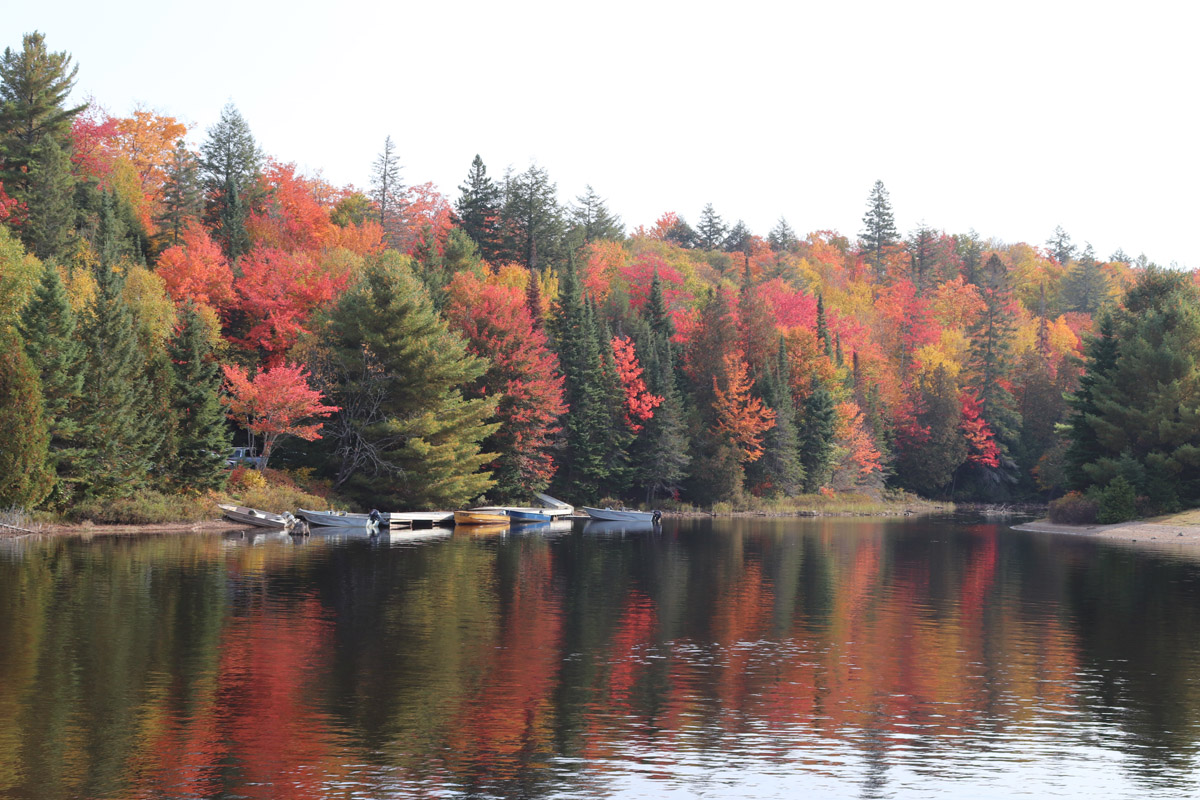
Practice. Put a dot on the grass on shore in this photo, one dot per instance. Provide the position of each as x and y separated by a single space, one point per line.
273 490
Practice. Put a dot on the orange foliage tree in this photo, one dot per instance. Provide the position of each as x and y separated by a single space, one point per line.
740 416
197 270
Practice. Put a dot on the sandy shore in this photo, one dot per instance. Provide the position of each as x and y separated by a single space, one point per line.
1177 533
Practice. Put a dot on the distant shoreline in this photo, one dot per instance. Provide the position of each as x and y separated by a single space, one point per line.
1165 533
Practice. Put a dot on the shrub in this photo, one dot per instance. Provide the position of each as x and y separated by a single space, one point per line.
1118 501
1073 508
722 508
145 508
243 478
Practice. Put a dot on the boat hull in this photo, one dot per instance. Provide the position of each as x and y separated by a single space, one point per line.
259 519
619 515
480 518
334 519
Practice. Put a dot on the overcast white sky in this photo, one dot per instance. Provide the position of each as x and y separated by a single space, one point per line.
1007 118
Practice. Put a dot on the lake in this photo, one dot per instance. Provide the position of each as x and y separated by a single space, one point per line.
945 657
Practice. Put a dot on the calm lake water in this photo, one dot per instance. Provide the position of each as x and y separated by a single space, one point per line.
734 658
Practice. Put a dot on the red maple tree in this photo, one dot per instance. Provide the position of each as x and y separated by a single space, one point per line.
639 401
275 402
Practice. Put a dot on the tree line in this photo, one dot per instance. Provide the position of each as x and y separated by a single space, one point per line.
416 351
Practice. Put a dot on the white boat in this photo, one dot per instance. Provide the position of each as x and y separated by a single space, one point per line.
622 515
424 517
339 519
260 519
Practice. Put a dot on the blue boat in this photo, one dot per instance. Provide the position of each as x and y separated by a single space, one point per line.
521 515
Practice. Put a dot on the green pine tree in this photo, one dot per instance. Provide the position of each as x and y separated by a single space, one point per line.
182 197
50 229
478 210
229 166
202 438
591 219
119 437
406 437
48 328
990 355
779 468
34 85
818 427
879 231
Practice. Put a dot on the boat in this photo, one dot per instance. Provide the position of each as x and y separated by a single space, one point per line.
622 515
599 527
339 519
260 519
518 513
421 517
479 516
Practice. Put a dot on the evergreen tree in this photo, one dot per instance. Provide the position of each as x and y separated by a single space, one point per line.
203 438
478 210
229 163
779 470
405 436
818 428
387 192
1084 446
711 230
34 85
50 226
532 220
738 240
591 219
1145 424
969 248
118 436
1085 286
991 344
48 329
25 477
182 199
879 231
782 238
594 444
681 234
823 327
1060 246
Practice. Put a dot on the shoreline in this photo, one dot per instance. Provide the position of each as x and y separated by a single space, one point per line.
1172 534
86 530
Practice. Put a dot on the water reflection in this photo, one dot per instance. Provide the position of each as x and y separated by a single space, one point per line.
764 657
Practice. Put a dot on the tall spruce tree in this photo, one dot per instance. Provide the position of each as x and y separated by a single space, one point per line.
1060 246
50 226
591 219
202 438
182 198
230 162
405 437
48 329
1085 286
478 210
119 437
34 85
990 355
593 447
779 471
1084 447
387 191
782 237
818 428
531 219
711 230
879 228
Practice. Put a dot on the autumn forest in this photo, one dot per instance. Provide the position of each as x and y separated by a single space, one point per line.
413 346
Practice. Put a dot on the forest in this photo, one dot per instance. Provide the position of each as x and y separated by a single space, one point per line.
407 348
